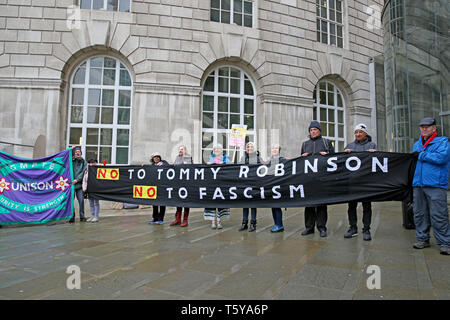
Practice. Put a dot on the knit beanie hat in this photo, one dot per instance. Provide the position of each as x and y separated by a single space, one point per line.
315 124
361 127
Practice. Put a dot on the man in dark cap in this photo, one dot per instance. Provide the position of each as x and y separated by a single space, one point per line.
430 185
313 146
79 166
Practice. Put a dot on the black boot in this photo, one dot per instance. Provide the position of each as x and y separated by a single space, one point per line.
244 225
252 226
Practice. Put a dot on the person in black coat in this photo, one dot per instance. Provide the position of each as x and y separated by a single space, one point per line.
250 157
158 211
316 144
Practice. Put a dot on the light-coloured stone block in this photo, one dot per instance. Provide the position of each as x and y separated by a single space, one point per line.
27 60
14 23
61 52
16 47
55 13
26 72
31 12
53 37
54 63
40 48
4 60
29 36
130 45
121 34
98 32
42 24
181 12
43 3
47 73
137 56
70 42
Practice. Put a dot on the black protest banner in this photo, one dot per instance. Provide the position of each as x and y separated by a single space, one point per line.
299 182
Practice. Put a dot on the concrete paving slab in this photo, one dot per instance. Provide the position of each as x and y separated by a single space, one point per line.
124 257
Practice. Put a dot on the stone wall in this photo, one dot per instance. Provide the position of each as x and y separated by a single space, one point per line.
170 46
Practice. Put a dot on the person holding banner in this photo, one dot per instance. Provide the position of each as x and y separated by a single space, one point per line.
182 158
275 159
79 166
363 142
158 211
250 157
316 144
216 216
430 185
94 204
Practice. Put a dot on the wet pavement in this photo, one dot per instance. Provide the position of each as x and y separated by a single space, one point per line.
124 257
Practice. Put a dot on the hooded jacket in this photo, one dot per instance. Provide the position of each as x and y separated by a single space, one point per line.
364 145
432 169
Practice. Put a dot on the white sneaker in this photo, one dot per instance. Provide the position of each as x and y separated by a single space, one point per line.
95 219
219 226
90 219
213 225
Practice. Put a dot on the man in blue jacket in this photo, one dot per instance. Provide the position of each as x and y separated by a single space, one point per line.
430 185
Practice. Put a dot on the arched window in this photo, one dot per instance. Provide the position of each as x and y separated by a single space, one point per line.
329 111
228 98
100 110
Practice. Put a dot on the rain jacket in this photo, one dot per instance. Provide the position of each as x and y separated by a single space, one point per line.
432 169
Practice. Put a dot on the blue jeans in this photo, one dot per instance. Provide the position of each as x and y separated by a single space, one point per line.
245 214
95 207
277 217
79 194
430 210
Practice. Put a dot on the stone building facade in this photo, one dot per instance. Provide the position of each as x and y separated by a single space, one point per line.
126 84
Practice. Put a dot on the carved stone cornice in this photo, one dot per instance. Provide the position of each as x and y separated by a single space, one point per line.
27 83
166 89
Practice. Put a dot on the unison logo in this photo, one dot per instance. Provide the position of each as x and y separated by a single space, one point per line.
33 186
